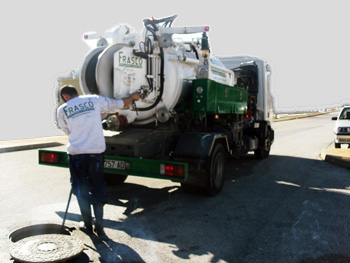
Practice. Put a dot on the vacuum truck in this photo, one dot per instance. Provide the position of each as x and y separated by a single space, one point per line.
196 110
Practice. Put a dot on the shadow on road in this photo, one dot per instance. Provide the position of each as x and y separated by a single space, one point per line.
282 209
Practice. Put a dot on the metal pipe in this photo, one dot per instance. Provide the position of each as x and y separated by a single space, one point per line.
65 213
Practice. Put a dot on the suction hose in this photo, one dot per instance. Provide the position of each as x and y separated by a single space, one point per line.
151 27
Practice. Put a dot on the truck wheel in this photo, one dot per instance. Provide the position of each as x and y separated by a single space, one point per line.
216 175
115 179
337 145
263 150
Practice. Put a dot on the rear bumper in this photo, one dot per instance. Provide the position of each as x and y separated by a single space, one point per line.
342 138
135 166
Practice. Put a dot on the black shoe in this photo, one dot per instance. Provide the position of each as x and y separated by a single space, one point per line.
86 229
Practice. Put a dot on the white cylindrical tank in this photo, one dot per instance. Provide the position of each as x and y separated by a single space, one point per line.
152 63
116 72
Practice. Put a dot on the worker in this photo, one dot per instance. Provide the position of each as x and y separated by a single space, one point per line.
80 119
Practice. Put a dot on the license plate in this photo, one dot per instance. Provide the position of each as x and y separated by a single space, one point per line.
114 164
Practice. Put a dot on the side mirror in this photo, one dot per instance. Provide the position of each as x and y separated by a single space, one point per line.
334 118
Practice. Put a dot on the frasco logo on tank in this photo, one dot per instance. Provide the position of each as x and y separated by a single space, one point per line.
129 61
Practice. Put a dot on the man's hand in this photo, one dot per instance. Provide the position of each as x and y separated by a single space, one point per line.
134 96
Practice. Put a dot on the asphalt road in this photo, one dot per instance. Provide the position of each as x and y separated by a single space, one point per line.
291 207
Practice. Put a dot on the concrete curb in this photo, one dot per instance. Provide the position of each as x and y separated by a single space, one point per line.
339 157
301 116
339 161
29 147
30 144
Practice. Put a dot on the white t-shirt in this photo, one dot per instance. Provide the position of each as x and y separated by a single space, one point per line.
80 119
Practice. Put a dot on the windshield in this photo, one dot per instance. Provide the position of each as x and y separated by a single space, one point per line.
216 62
345 114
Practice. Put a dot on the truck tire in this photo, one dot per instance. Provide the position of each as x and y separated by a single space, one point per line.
115 179
263 150
216 170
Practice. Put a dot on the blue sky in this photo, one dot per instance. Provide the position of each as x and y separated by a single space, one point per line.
306 43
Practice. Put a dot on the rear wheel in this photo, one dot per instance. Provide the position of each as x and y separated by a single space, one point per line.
216 175
264 148
263 151
115 179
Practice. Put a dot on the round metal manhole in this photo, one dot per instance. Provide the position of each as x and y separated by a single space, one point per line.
46 248
34 230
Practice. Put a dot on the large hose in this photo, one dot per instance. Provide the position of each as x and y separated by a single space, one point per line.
150 25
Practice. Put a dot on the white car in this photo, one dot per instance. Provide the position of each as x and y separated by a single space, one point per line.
342 128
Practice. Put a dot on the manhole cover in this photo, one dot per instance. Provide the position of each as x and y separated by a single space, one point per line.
46 248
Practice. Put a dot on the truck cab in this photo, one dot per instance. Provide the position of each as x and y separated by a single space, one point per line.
253 74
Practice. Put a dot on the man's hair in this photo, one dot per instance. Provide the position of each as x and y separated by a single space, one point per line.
69 90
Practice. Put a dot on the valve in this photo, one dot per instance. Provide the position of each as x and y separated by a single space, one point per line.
115 122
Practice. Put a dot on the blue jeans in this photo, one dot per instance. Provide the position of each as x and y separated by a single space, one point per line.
88 184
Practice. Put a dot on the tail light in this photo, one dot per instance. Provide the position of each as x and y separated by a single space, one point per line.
172 170
49 157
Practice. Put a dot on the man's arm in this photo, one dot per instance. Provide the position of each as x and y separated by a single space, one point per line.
108 104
